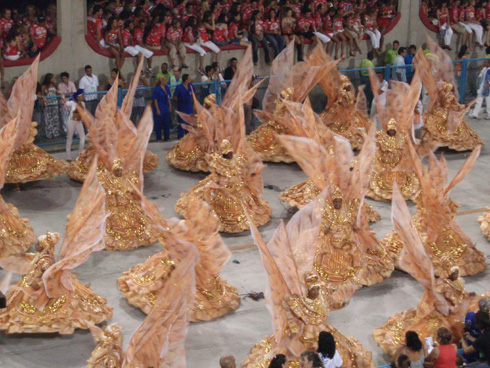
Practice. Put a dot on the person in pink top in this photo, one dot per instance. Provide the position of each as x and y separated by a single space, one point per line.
176 44
444 355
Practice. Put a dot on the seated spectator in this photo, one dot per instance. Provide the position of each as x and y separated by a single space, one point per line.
220 33
39 35
386 14
132 47
190 38
6 23
155 39
175 43
329 355
112 79
372 31
288 25
279 361
304 30
95 24
470 328
310 359
203 26
444 355
256 32
413 349
227 361
113 42
273 32
12 48
236 35
480 344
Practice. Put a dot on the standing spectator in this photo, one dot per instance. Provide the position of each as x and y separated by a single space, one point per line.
399 73
220 33
74 122
444 355
94 24
463 53
256 31
279 361
391 53
231 70
112 79
138 40
483 92
39 35
327 351
66 87
175 79
273 33
183 95
235 34
51 109
208 75
227 361
413 349
482 343
139 100
113 42
383 87
366 64
161 109
412 50
175 43
164 72
203 37
190 38
90 84
372 31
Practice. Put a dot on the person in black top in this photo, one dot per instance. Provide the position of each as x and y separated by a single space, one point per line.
482 343
230 71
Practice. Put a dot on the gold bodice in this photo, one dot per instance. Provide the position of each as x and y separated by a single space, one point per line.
228 168
119 191
389 151
309 311
337 225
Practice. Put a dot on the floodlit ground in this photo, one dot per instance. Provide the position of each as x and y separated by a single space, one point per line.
47 203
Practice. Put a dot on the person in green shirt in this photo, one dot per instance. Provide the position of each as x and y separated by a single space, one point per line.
366 64
164 73
391 53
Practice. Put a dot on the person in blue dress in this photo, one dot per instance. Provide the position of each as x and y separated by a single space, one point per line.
161 109
183 96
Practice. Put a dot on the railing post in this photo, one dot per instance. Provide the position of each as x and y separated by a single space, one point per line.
120 97
217 91
462 80
387 73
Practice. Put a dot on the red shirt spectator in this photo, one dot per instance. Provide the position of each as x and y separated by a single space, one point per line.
338 24
203 34
11 49
174 34
94 25
189 35
271 26
220 33
453 15
113 37
127 37
232 30
138 35
156 34
318 21
259 28
39 33
303 24
5 25
247 13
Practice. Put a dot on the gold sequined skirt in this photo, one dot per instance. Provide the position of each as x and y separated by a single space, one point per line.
484 221
141 284
78 169
350 349
435 131
228 204
31 163
16 235
349 125
470 260
381 184
263 141
189 154
70 311
301 194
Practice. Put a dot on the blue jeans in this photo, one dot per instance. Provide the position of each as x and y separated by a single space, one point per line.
255 49
277 41
161 121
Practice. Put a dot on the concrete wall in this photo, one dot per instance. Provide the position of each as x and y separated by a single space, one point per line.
74 53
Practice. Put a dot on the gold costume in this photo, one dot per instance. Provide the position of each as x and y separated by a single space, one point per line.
390 165
228 190
31 310
484 221
108 352
437 128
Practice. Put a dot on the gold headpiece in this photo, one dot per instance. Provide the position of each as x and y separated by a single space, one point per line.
448 265
48 240
312 280
446 86
337 193
226 147
117 164
344 78
391 124
210 101
287 92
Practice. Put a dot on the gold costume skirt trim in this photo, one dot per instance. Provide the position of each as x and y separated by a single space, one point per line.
70 311
141 284
435 131
469 259
350 349
189 154
78 169
381 184
31 163
263 141
16 235
351 126
228 205
484 221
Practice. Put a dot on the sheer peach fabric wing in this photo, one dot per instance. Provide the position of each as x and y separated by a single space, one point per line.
340 163
3 107
84 234
127 105
240 82
361 102
310 156
206 120
22 99
126 136
443 70
360 175
276 256
423 65
331 81
19 263
280 77
5 282
159 340
414 258
464 170
8 135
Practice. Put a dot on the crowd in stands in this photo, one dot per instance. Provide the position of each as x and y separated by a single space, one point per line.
468 18
442 351
172 26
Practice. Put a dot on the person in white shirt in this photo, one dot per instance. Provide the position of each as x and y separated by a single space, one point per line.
383 87
74 122
328 353
482 84
90 84
399 72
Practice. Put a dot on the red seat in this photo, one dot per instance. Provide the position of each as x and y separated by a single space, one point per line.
46 52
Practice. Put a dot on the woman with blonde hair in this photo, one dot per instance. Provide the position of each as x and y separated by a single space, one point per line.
161 108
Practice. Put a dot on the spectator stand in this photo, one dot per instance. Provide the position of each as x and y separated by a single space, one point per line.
46 52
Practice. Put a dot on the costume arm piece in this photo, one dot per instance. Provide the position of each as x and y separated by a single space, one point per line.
8 134
464 170
414 258
341 297
84 234
127 105
159 340
22 100
442 69
19 264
